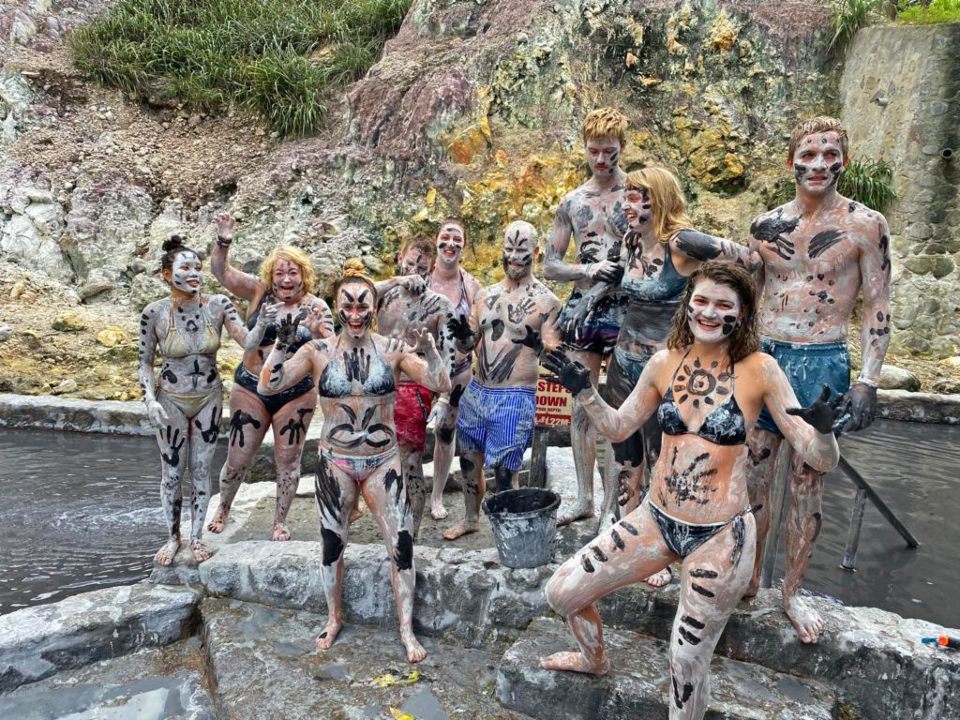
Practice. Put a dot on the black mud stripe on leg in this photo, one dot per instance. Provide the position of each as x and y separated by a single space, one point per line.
598 554
332 546
701 589
689 636
404 554
702 573
739 533
617 540
692 622
629 528
587 565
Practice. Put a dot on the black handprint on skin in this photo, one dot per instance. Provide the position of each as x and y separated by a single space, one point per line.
357 365
172 436
210 434
237 422
287 329
774 230
517 313
460 328
296 427
531 340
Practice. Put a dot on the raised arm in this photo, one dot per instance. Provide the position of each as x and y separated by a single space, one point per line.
554 267
147 352
699 247
236 328
241 284
617 425
429 370
808 430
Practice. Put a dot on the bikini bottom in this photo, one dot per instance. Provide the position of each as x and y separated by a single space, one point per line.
684 538
359 468
190 404
248 381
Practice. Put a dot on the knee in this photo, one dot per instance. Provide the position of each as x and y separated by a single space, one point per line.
558 598
467 466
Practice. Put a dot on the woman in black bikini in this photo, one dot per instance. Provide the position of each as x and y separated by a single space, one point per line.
185 403
707 389
285 287
357 373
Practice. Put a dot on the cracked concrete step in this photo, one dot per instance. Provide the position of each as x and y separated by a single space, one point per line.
263 663
639 681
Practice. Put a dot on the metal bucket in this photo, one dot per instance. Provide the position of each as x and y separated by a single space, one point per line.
524 523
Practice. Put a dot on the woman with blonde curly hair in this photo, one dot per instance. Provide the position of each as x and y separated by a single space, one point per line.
284 288
662 251
356 373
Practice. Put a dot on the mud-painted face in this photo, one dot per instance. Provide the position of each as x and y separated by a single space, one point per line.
519 247
287 281
713 312
414 262
638 207
818 162
186 273
355 308
450 244
603 156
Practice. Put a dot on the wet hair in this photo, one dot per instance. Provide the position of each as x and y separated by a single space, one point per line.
171 248
453 221
666 195
422 243
353 272
746 338
291 254
605 123
819 124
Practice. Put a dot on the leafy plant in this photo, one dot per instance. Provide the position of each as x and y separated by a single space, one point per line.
937 11
851 16
281 59
869 182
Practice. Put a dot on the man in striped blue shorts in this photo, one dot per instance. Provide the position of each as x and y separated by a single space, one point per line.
510 325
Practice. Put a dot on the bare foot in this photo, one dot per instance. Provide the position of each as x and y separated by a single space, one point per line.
575 662
280 533
805 619
415 651
659 579
580 510
460 529
438 511
168 552
200 551
325 639
219 520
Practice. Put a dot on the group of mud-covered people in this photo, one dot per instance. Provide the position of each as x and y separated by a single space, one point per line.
714 351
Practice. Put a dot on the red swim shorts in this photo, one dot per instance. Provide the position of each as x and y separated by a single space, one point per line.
410 412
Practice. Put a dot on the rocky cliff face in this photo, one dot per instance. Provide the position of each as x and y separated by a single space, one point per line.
473 109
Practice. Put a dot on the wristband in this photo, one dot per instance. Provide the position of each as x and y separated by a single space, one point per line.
442 401
869 383
224 242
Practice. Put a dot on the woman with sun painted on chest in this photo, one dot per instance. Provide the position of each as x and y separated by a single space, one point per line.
706 389
356 373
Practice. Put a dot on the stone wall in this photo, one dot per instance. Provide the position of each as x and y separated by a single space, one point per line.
901 102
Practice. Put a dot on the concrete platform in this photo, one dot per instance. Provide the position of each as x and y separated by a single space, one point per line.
639 686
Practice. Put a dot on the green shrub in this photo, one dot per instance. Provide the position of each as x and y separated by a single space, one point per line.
869 182
851 16
938 11
281 59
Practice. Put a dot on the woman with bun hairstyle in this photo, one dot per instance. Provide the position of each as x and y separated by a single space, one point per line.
186 402
356 373
286 280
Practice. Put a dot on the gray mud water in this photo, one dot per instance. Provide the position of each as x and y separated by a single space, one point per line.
82 511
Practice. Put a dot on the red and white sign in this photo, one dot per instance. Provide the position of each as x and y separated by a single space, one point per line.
554 404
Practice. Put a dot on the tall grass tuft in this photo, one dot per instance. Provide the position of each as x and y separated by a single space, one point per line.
851 15
869 182
281 59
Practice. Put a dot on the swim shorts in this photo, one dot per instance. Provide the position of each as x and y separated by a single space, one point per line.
411 409
808 367
623 372
599 335
497 422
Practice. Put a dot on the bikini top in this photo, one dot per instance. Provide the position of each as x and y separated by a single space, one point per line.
462 309
666 288
346 369
175 345
270 334
724 426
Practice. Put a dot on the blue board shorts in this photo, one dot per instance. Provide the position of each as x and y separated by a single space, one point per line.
808 367
497 422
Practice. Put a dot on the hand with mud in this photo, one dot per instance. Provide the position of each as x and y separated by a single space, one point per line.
606 271
395 350
223 224
861 405
569 373
425 345
826 416
624 491
287 329
413 284
438 413
156 414
318 322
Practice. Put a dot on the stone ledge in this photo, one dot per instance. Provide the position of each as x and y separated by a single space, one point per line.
918 407
874 657
639 685
39 641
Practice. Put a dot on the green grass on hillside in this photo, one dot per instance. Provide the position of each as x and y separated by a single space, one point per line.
938 11
277 58
869 182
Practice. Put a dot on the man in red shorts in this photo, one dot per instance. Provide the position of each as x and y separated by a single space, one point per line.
406 304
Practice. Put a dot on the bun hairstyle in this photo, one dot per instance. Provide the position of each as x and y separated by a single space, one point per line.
355 271
171 248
